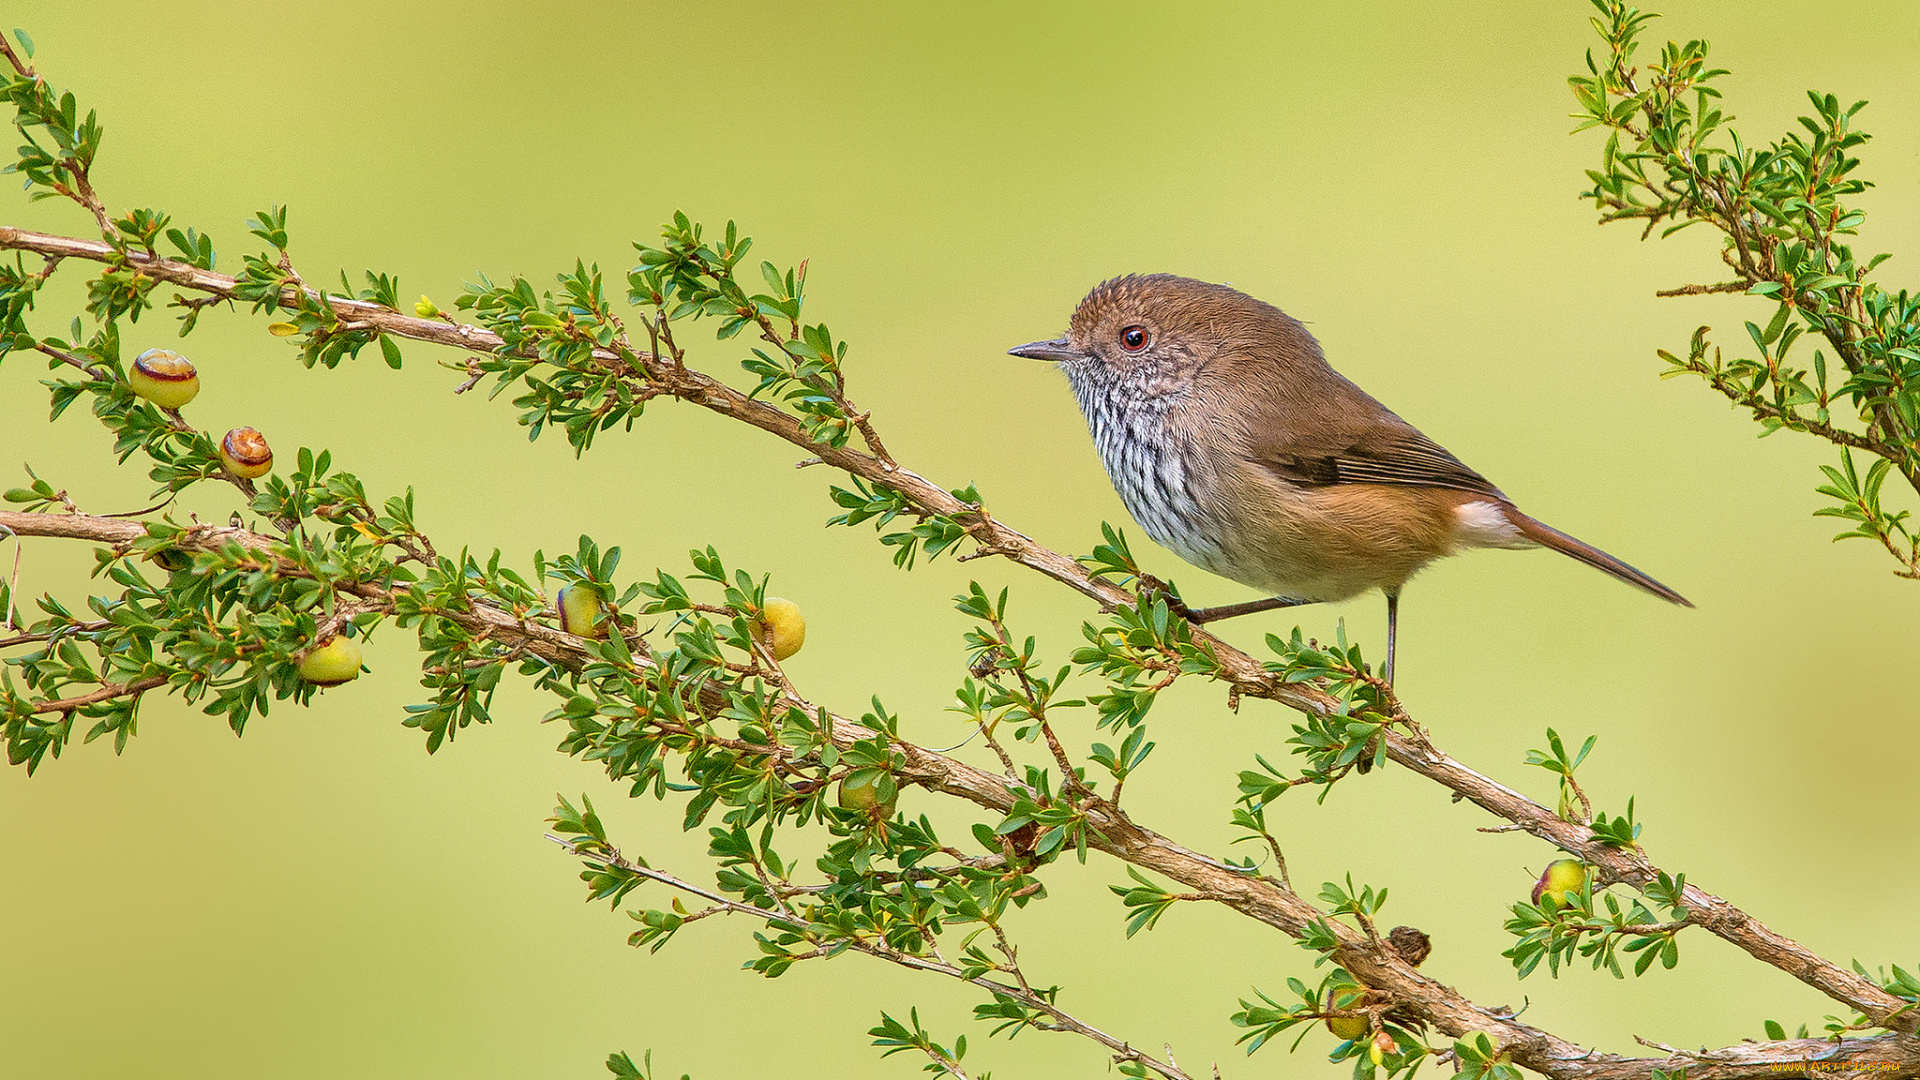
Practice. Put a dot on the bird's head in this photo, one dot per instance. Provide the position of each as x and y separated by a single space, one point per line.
1155 333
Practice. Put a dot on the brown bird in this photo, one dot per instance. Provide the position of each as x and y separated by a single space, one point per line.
1234 444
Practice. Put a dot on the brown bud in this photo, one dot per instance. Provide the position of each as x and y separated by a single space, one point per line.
1412 945
1024 840
984 664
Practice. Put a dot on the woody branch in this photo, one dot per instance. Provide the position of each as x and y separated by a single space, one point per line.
1115 833
1246 677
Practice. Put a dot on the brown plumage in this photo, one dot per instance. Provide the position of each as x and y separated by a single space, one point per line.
1233 443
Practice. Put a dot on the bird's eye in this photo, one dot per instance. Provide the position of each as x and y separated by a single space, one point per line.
1133 338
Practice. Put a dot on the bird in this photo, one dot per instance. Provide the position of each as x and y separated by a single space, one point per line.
1234 444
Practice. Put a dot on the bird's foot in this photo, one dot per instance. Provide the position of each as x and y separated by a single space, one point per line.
1149 588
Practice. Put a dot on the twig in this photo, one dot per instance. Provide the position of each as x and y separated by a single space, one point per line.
19 65
107 692
1698 290
68 358
13 582
1021 993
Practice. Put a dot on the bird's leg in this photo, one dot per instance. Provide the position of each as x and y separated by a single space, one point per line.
1150 585
1393 619
1228 611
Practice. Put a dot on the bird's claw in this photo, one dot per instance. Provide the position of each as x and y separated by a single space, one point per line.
1150 588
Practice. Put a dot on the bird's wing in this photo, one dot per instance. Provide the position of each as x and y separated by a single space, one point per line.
1385 454
1351 439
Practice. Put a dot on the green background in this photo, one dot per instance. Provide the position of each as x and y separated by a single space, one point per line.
323 899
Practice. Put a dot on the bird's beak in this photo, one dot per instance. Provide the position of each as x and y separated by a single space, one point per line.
1056 350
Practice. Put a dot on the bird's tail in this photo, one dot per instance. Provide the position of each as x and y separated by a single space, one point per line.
1547 536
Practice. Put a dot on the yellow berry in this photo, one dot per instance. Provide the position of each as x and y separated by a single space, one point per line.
581 613
869 791
245 453
164 377
336 662
1561 877
780 627
1346 1027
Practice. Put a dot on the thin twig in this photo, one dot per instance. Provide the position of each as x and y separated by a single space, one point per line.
1698 290
1021 993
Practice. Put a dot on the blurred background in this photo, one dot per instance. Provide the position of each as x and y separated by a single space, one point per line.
323 899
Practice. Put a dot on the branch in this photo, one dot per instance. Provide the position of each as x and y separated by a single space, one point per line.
1245 675
106 692
1109 829
1122 1051
1632 867
14 59
674 379
68 358
1699 290
31 639
1825 287
1371 961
